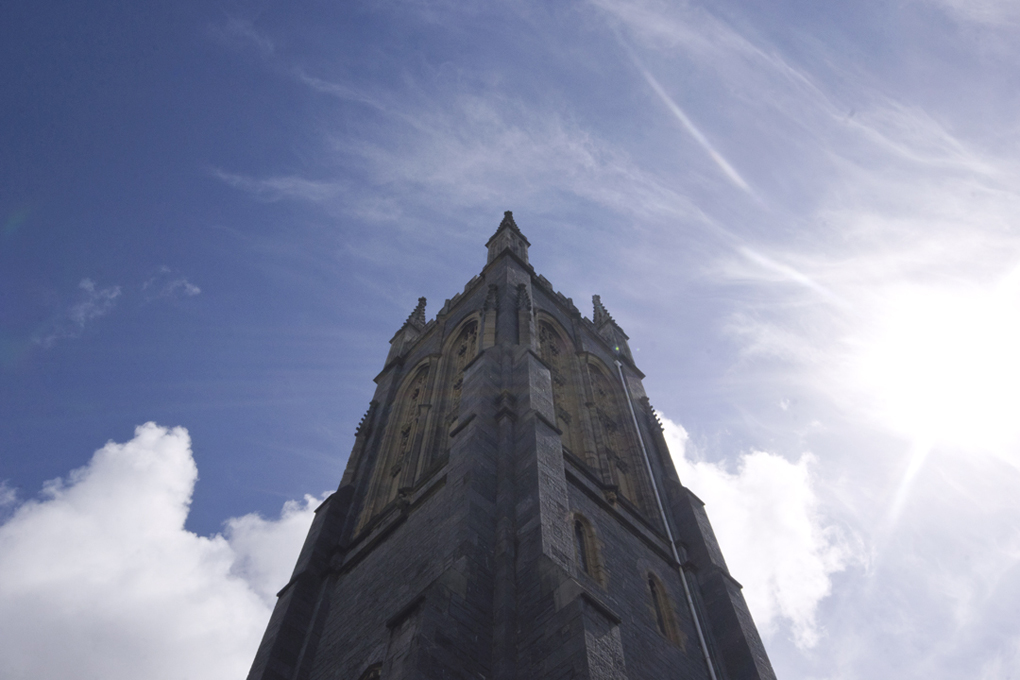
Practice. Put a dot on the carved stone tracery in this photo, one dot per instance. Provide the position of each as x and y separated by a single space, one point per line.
464 349
552 349
617 444
397 451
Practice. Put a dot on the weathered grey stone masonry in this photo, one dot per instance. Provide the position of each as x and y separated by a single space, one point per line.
497 519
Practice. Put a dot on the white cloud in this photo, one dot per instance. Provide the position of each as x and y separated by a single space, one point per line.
767 520
8 496
163 284
93 303
989 12
1003 664
239 32
468 149
97 302
284 187
100 579
8 500
265 550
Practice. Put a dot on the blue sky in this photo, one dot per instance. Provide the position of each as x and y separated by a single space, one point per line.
213 216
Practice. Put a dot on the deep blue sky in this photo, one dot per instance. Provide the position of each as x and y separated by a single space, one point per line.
215 216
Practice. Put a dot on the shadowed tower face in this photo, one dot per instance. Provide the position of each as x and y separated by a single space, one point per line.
510 510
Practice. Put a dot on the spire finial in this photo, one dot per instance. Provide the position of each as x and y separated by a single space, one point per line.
508 236
607 327
417 317
600 315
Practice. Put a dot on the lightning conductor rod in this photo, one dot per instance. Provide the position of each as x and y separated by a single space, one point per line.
665 523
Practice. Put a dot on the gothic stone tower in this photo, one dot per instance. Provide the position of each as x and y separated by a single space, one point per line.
510 511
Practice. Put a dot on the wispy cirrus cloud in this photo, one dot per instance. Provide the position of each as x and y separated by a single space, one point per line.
461 144
166 284
284 187
472 150
93 303
1001 13
239 31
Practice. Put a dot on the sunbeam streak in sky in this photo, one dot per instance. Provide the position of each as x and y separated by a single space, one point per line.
919 451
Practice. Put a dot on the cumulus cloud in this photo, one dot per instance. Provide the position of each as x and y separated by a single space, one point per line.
8 499
8 496
100 579
265 550
776 543
93 302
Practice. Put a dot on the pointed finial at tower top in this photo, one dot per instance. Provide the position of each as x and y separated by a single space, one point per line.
508 236
407 334
601 314
607 327
417 317
509 223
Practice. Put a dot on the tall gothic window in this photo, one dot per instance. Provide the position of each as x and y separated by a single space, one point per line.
617 441
586 551
662 610
657 605
463 351
581 546
397 450
554 353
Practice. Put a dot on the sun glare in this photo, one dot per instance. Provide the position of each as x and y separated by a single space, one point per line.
944 366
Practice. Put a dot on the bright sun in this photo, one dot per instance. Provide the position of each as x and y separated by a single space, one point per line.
944 366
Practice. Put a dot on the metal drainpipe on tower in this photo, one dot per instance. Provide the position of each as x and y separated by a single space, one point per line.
665 523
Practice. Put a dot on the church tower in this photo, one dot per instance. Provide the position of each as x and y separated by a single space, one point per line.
510 512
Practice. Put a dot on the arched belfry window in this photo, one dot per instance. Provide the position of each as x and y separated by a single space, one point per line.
553 350
662 611
586 550
619 448
395 455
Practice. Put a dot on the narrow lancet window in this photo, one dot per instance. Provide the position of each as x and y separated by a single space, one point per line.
660 617
588 560
662 610
581 543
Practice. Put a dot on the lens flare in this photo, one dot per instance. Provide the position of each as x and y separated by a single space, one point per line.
944 365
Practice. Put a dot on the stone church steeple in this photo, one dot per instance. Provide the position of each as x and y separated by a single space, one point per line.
510 511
